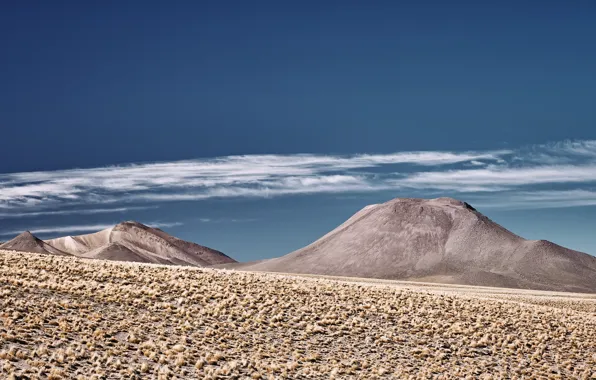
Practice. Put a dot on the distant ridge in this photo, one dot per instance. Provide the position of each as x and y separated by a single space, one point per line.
127 241
437 240
27 242
134 241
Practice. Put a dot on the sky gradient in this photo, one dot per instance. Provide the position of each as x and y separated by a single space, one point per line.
256 128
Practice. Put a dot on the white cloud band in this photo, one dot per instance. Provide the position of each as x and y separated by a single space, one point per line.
568 163
81 228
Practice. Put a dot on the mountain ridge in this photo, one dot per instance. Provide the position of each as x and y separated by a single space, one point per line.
126 241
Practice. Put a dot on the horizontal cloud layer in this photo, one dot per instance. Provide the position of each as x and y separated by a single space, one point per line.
540 199
91 211
80 228
224 176
516 174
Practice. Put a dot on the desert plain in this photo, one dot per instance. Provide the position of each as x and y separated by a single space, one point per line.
67 317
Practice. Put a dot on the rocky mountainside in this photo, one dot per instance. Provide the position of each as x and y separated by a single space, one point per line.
438 240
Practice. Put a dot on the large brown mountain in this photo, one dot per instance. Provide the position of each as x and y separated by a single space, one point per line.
127 241
437 240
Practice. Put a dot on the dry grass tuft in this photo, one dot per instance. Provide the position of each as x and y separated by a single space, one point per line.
64 317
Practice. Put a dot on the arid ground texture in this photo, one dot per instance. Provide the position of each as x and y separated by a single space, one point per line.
67 317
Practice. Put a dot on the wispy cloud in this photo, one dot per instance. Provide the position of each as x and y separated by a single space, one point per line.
227 220
273 188
61 229
571 148
540 199
224 176
566 163
500 177
91 211
80 228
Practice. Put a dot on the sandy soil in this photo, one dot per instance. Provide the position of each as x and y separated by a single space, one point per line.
66 317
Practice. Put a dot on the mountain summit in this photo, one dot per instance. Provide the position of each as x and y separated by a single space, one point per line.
27 242
438 240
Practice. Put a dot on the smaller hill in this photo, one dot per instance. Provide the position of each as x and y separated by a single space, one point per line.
114 251
134 241
27 242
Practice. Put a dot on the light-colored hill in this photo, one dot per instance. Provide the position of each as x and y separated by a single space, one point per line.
438 240
27 242
116 252
133 241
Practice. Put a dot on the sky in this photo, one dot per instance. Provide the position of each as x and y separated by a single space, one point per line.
256 127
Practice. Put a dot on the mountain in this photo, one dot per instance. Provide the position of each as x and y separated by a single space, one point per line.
133 241
114 251
27 242
437 240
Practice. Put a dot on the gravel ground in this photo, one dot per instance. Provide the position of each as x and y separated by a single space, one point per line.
63 317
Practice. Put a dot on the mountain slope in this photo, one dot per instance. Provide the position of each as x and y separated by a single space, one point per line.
438 240
133 241
27 242
116 252
209 255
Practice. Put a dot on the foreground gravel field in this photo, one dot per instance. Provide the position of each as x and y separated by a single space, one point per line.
62 317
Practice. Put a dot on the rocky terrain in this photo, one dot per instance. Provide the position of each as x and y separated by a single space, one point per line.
66 317
437 240
127 241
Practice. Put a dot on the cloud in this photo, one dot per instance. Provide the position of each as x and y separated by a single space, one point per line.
81 228
92 211
571 148
227 220
224 176
62 229
274 188
498 178
558 153
540 200
569 162
566 163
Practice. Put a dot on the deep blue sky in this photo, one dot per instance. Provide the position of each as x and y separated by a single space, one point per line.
87 85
